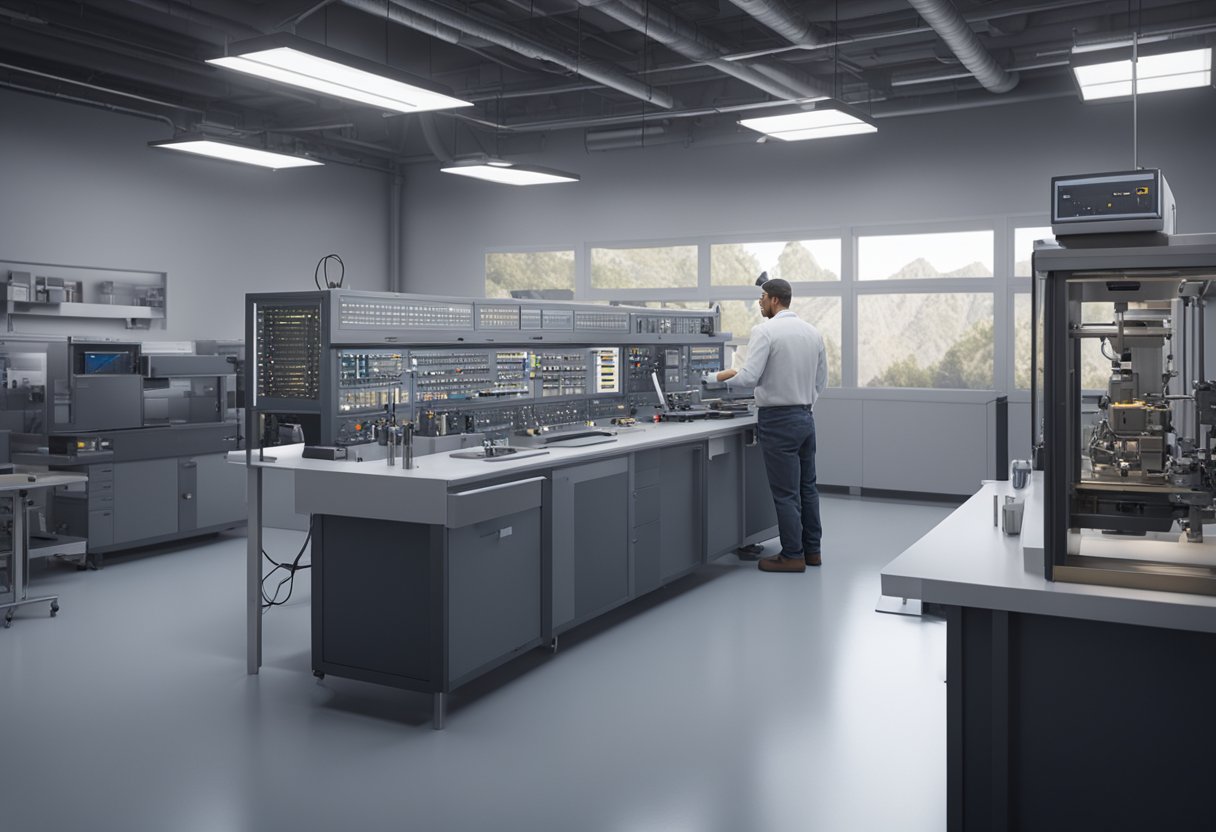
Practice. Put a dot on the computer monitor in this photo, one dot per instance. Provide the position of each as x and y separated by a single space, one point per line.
106 363
658 388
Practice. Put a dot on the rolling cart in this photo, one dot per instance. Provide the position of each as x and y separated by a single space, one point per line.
15 490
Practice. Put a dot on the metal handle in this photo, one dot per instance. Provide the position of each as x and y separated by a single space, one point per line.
188 496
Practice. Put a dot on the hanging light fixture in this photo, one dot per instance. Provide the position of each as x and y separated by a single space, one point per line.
1104 72
806 120
819 123
508 173
228 151
301 63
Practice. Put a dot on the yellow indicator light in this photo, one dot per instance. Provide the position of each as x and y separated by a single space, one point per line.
1142 191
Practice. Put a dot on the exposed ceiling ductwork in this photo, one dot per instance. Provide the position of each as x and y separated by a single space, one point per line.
535 68
686 40
783 19
962 40
447 24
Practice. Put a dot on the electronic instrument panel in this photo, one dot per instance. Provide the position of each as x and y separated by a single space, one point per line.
335 362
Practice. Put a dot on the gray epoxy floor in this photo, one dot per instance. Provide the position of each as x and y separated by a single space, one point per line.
734 700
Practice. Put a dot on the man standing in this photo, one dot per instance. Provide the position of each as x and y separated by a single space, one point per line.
787 364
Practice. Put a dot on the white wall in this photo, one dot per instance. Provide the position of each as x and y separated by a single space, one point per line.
80 187
986 162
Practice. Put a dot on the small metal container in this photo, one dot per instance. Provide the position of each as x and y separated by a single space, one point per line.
1019 472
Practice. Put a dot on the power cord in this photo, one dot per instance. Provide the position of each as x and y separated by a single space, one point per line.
323 267
291 569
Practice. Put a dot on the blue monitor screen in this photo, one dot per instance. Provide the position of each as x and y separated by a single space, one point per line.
105 363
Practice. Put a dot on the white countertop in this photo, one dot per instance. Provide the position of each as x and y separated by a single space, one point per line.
456 472
374 490
967 561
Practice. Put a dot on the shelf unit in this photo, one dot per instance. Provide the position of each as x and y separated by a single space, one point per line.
18 280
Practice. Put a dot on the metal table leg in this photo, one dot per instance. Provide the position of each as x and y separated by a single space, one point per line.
253 573
439 710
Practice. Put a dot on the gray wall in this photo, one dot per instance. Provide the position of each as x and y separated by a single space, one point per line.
80 187
986 162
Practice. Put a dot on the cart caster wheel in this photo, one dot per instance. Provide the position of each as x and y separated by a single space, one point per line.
8 620
54 610
553 645
320 674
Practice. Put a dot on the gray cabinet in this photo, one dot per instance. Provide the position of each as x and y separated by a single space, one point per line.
723 495
219 491
494 590
590 533
681 523
668 515
145 499
759 513
427 606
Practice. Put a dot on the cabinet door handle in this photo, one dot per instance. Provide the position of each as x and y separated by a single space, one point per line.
188 496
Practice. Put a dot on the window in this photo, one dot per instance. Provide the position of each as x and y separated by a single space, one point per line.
824 313
1023 247
656 267
1021 341
919 256
798 261
942 340
518 271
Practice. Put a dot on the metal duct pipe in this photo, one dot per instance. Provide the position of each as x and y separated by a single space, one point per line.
395 197
782 19
683 38
970 100
962 40
406 18
431 135
439 20
223 25
73 99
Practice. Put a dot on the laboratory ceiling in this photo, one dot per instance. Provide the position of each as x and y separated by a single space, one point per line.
611 73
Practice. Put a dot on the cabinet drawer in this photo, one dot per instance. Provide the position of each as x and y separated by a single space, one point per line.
101 528
478 504
101 473
101 500
101 489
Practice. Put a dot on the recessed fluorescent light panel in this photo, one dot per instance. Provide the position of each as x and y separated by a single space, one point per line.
809 124
1154 73
236 153
506 173
300 63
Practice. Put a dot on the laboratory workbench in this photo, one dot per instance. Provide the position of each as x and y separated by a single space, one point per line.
1069 706
426 578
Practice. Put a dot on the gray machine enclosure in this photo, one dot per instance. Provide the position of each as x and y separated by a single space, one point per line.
1126 500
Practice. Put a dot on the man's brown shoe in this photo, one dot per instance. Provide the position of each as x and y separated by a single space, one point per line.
813 559
780 563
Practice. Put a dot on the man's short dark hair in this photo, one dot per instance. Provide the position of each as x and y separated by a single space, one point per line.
779 289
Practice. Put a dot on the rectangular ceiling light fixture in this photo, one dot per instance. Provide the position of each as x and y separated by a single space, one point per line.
1098 76
235 153
507 173
810 124
292 60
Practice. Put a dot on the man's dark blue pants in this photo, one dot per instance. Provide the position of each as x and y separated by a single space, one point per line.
787 438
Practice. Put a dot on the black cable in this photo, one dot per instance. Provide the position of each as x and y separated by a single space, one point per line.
291 569
323 266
